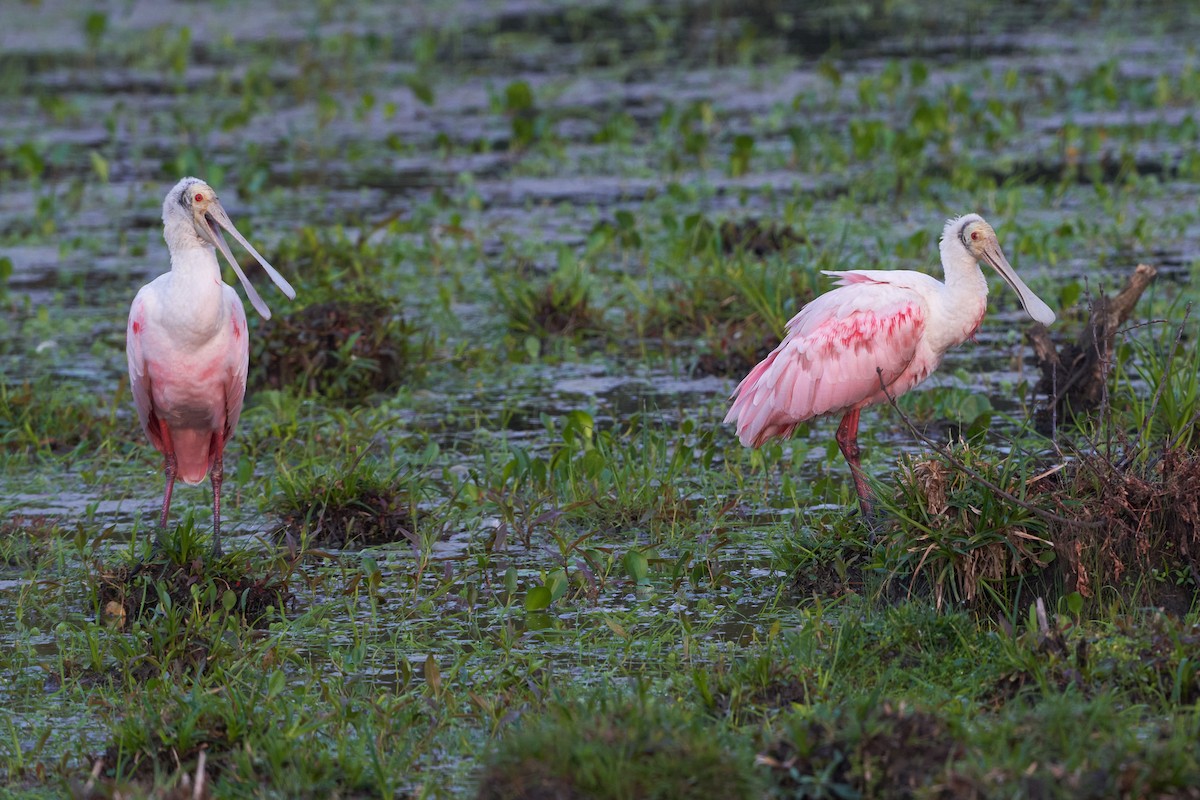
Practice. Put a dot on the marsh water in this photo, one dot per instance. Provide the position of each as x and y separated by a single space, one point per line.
463 147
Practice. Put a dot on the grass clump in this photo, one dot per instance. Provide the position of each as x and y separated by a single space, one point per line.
607 480
757 237
956 538
1146 657
345 349
355 504
47 416
1069 747
342 339
868 748
969 526
727 290
236 731
560 304
941 534
26 539
181 575
615 748
759 687
829 561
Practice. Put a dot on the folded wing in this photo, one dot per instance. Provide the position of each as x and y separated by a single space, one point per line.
830 358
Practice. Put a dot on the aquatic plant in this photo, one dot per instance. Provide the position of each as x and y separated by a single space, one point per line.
348 350
558 305
47 416
352 503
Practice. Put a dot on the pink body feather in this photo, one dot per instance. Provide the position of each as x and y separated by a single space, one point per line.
827 362
195 393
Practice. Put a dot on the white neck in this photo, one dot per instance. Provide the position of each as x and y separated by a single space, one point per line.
193 288
964 298
962 272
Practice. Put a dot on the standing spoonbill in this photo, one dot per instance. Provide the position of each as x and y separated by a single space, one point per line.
889 325
187 344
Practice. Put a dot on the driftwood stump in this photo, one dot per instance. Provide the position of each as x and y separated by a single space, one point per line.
1075 378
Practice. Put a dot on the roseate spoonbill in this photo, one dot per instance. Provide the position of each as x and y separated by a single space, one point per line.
187 345
899 322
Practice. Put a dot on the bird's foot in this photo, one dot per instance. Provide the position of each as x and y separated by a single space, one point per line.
870 519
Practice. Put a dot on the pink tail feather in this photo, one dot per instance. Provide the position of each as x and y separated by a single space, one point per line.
193 449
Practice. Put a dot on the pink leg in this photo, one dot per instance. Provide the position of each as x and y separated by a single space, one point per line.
217 475
847 439
170 465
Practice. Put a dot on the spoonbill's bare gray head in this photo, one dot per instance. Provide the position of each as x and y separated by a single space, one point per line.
192 207
978 240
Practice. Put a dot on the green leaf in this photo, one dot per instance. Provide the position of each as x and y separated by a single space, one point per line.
979 425
433 675
276 683
557 583
99 166
518 96
1070 294
538 598
228 600
95 24
637 567
616 628
420 89
829 71
1075 603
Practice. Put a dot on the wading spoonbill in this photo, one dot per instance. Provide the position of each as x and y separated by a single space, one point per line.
187 344
898 322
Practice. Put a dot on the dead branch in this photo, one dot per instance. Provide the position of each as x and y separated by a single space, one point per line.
1075 377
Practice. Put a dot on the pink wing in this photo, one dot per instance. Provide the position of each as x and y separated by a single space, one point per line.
827 362
239 362
139 381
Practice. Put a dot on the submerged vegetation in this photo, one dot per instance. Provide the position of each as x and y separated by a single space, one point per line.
490 537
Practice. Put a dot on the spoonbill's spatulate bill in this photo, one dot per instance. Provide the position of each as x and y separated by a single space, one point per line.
898 321
187 344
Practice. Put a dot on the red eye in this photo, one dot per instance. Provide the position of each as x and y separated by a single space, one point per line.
974 234
199 197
